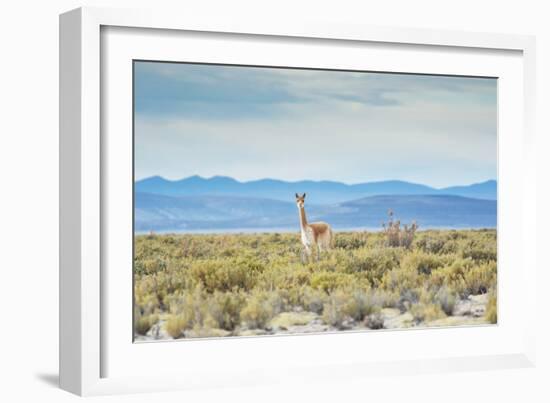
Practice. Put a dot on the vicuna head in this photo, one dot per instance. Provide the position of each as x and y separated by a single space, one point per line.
300 200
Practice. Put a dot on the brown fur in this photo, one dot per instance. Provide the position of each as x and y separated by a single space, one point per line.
319 229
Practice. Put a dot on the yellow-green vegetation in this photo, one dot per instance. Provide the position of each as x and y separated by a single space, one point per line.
233 284
491 312
287 319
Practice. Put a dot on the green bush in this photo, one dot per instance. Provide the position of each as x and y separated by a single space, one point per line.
351 241
482 248
423 262
213 285
361 304
446 300
334 309
401 280
328 281
224 274
480 279
224 310
430 244
423 312
348 304
175 325
284 278
491 309
313 300
373 264
260 308
143 323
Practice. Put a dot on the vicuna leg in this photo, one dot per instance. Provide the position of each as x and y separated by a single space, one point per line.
319 249
303 255
306 254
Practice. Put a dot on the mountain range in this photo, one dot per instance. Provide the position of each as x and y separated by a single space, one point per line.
318 192
223 204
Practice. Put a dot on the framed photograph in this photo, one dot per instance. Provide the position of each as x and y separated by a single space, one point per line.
241 201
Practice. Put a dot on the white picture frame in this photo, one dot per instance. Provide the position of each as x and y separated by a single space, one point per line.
87 344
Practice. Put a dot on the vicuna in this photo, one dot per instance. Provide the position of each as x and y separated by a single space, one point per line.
317 235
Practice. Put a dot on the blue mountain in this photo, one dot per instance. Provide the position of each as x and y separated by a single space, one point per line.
483 190
322 192
158 212
427 210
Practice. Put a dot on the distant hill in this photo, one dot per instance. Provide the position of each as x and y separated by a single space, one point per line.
484 190
322 192
428 210
186 213
160 212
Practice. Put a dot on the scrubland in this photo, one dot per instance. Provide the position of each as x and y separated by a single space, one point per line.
188 286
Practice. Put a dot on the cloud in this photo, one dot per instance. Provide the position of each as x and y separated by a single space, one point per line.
177 90
251 123
171 89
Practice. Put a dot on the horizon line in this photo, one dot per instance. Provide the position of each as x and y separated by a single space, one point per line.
308 180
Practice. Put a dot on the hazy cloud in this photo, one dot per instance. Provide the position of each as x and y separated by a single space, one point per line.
293 124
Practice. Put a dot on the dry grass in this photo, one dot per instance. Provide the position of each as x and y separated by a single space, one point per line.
491 312
222 284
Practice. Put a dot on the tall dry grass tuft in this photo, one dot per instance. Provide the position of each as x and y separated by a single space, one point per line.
397 236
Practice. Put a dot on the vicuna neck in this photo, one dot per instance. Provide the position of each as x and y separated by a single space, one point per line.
303 220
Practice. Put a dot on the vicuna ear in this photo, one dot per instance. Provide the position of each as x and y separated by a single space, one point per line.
296 195
304 196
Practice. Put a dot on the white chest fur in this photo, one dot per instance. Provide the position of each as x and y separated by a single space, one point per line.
307 236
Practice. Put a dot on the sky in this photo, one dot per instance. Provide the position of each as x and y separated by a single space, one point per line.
294 124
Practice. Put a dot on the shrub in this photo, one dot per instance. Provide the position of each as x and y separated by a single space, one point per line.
431 244
373 264
153 290
351 241
224 284
328 281
401 280
412 275
284 278
260 308
224 274
396 235
480 250
450 247
348 304
313 300
446 300
150 266
333 312
192 310
491 309
422 263
480 279
360 304
206 331
374 321
465 278
385 299
175 325
187 309
286 319
423 312
408 298
223 310
143 323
